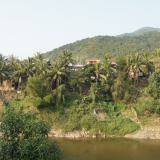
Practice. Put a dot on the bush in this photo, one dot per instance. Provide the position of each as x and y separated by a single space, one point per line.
24 137
127 96
153 88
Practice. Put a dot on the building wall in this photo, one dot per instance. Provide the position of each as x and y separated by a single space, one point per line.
93 62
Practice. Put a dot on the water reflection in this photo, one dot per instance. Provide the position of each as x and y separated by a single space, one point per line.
109 149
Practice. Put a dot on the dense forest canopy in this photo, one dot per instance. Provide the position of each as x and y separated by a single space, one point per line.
115 46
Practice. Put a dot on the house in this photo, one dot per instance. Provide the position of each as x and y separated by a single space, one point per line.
75 67
132 75
12 84
92 61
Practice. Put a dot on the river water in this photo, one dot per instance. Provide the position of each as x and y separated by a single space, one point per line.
109 149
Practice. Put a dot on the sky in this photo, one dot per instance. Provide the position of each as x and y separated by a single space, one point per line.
30 26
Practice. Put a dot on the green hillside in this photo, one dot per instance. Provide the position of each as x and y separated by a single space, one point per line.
116 46
140 31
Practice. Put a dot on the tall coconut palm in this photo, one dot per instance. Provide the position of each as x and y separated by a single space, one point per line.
66 57
12 62
148 61
58 71
19 71
38 56
3 59
107 66
41 70
129 65
97 71
29 66
138 65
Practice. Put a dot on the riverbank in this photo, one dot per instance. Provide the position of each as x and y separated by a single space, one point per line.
144 133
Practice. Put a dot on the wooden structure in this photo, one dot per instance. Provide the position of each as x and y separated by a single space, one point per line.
92 61
12 84
132 75
75 67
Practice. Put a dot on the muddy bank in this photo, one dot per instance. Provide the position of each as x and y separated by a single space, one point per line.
142 134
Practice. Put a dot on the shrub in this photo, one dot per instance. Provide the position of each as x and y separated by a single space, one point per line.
24 137
153 88
127 96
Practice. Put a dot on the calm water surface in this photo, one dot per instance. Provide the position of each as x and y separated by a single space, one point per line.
109 149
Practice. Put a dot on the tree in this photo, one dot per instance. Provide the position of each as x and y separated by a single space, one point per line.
39 93
12 61
25 137
41 70
119 88
66 57
59 94
58 71
153 88
107 66
77 79
29 66
138 65
38 56
18 72
121 64
148 61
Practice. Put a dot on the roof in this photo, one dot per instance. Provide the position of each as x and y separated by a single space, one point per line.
93 59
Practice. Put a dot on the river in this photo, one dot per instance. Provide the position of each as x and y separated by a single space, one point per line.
109 149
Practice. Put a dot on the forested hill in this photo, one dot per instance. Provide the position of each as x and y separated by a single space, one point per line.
116 46
140 31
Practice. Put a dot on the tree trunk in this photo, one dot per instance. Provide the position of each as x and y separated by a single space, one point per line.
57 82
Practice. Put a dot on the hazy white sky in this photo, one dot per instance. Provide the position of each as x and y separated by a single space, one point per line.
30 26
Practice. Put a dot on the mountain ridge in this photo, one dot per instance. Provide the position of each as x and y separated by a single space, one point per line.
101 45
140 31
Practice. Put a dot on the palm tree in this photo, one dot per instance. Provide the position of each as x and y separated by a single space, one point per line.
66 57
12 61
41 70
97 71
129 65
148 61
3 59
58 71
38 56
138 65
107 66
20 70
29 66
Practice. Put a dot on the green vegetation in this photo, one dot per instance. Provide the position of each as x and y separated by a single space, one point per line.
153 88
24 136
115 46
102 99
